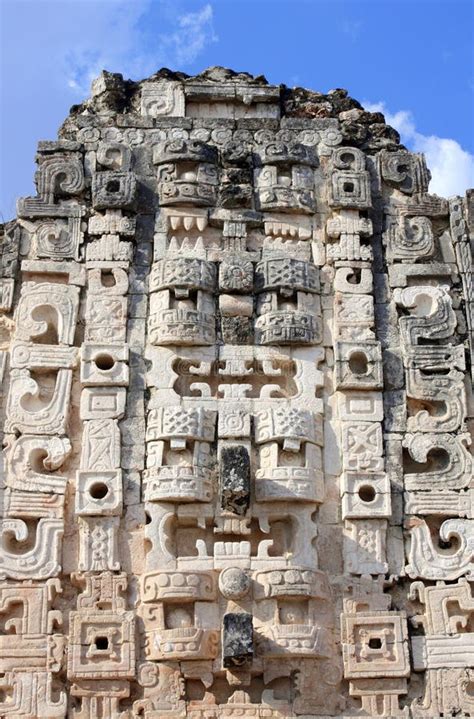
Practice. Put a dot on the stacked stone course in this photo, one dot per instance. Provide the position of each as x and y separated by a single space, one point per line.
235 343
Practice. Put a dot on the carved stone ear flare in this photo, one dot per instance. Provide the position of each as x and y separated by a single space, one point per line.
235 334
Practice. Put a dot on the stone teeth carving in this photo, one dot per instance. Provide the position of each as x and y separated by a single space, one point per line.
112 223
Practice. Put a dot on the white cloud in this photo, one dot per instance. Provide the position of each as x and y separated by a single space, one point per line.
352 28
117 38
194 31
452 167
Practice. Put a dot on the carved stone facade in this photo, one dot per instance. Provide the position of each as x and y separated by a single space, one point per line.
235 336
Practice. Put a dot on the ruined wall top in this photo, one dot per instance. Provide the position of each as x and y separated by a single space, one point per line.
234 96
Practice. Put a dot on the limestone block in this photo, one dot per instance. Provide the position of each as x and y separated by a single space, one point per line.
113 189
102 403
104 364
162 99
99 492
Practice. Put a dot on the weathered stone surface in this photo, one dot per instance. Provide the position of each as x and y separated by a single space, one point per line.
234 469
235 337
237 640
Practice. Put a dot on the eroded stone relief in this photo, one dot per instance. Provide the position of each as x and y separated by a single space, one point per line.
235 342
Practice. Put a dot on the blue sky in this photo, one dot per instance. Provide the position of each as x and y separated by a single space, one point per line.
411 58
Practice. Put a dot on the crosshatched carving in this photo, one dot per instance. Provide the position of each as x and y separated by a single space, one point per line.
235 334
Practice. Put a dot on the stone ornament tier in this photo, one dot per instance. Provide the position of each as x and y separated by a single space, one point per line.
235 343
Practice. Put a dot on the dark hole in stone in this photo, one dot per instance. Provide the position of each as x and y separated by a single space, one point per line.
104 362
358 364
366 493
113 186
99 490
375 643
354 277
108 279
347 158
101 643
348 187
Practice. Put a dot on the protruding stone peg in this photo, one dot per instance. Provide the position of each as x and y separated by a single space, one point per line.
237 640
235 479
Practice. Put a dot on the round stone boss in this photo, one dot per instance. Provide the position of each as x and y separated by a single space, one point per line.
233 583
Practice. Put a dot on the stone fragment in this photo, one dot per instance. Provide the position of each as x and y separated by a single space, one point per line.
237 640
234 468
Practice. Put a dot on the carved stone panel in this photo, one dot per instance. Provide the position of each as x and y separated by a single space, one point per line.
236 473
